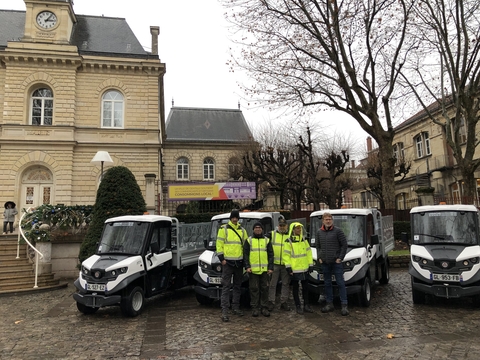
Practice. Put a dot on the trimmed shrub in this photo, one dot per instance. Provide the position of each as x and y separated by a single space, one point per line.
118 194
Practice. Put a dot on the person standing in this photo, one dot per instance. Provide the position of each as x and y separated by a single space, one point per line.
9 216
298 262
258 260
230 240
332 247
278 238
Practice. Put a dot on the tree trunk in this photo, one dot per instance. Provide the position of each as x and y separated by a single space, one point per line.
385 156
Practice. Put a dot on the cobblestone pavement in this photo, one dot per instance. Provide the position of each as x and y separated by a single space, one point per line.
174 326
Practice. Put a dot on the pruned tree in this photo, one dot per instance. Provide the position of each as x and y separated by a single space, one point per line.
444 75
345 55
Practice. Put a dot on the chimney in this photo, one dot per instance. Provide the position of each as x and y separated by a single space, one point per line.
353 164
369 144
154 30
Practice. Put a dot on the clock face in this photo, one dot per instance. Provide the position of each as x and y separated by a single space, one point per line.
46 19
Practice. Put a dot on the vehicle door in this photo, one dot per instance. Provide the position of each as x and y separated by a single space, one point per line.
371 247
158 258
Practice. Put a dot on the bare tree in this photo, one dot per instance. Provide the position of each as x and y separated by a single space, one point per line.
344 55
445 74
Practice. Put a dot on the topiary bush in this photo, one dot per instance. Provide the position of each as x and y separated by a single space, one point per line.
399 227
118 194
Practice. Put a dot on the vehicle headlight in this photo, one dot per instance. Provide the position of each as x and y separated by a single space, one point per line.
202 264
85 271
474 260
116 272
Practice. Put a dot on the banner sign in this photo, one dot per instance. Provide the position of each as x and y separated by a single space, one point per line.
212 191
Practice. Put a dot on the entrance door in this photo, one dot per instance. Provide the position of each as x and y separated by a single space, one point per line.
37 187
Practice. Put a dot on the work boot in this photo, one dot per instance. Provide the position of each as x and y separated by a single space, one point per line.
271 306
237 312
327 308
285 306
225 317
344 310
299 310
265 312
307 309
255 312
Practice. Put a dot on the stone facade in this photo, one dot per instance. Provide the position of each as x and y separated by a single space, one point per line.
50 163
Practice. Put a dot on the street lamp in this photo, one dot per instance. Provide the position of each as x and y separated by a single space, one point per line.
101 157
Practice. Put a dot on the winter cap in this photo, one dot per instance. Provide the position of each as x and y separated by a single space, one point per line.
235 214
258 223
282 221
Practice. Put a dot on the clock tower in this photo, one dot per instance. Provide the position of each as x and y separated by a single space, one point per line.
49 21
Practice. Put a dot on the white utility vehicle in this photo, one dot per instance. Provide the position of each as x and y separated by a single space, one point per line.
445 252
209 275
370 239
138 257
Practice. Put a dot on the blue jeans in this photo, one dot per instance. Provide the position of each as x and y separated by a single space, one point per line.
337 270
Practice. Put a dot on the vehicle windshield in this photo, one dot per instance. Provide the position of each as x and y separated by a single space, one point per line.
126 237
352 225
458 227
247 224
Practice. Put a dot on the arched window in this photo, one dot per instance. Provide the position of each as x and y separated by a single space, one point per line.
208 169
182 168
41 107
112 109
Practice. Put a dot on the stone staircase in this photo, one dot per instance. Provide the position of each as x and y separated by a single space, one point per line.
18 275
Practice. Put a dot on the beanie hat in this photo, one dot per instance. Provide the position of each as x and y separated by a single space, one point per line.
235 214
258 223
282 221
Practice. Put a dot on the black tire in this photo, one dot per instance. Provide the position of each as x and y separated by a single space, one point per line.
313 298
365 293
87 310
132 305
385 273
203 300
418 297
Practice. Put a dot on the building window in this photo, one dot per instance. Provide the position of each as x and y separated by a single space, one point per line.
422 145
234 168
182 168
398 152
112 109
462 131
41 107
208 169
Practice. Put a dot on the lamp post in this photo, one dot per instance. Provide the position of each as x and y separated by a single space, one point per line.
100 158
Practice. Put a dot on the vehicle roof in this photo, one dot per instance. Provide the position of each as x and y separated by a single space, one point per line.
246 214
427 208
139 218
343 212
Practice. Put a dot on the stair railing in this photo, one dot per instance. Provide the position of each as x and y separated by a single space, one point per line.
38 254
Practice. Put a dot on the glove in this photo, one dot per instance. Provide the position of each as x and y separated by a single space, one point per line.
289 271
310 269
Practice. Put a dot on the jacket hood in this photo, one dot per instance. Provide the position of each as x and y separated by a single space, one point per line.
292 226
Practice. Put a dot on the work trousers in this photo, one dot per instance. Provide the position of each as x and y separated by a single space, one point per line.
229 271
279 272
258 284
296 291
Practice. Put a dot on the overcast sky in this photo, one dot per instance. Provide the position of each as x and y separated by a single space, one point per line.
194 45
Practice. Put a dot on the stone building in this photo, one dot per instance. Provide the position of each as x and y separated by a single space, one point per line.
203 146
72 85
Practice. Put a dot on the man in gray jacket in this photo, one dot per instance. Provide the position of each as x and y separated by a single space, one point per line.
331 249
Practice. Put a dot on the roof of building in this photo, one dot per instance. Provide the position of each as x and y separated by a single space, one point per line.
200 124
96 35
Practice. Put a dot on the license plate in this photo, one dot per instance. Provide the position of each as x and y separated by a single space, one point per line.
96 287
320 277
446 277
214 280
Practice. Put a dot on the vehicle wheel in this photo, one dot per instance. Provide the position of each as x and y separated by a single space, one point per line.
204 300
313 298
418 297
365 292
385 273
132 304
87 310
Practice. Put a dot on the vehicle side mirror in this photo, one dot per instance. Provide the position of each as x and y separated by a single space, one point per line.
374 240
404 238
155 247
